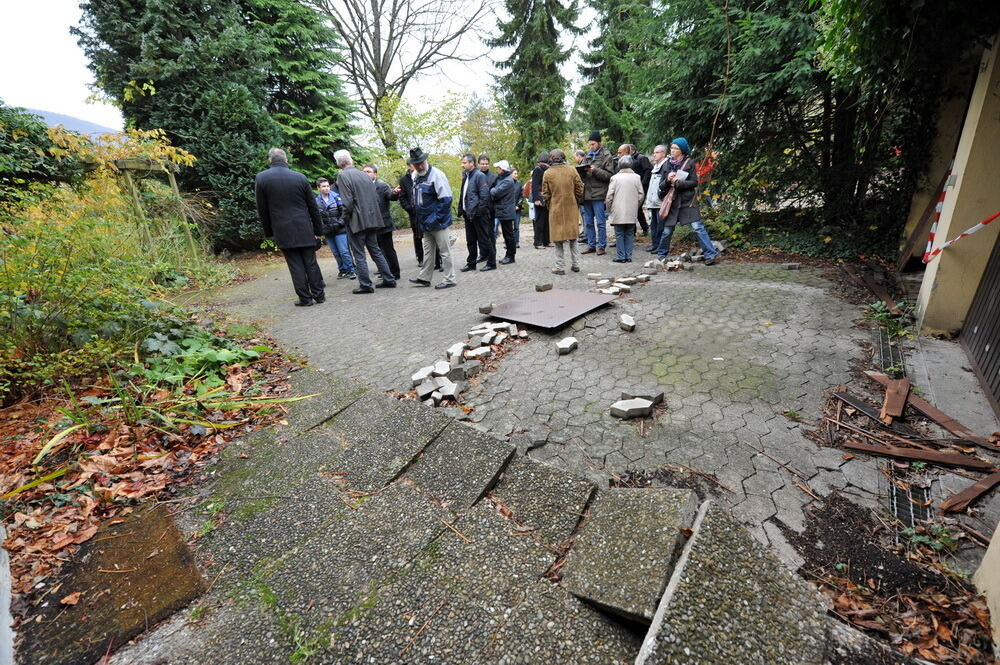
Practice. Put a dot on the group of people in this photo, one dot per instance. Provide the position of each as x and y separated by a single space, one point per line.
355 217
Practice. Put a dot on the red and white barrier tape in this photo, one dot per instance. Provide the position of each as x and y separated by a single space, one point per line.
937 217
929 257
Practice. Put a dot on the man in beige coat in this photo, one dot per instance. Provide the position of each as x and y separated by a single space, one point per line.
562 191
624 195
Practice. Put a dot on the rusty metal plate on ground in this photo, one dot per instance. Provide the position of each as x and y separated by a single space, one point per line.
550 309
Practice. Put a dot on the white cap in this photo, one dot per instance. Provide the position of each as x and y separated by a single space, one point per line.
503 164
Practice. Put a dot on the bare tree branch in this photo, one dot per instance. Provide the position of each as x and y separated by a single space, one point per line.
389 42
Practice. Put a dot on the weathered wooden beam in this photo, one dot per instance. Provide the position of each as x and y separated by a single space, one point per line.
895 400
961 500
914 455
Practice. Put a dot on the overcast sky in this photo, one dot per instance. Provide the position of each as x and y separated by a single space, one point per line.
43 68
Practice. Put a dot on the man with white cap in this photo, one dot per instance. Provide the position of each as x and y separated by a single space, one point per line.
504 194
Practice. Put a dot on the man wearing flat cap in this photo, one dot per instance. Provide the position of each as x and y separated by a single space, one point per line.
432 204
599 167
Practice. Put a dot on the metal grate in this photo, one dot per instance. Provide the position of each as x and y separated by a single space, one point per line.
910 506
889 355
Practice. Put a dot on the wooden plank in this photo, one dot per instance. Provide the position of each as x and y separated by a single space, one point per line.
961 500
895 400
876 289
938 416
899 428
913 455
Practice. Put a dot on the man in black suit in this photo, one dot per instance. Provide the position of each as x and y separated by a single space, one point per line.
289 214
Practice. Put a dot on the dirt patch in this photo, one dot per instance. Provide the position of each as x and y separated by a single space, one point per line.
704 485
843 537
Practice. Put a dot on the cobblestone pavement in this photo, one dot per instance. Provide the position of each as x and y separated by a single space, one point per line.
732 346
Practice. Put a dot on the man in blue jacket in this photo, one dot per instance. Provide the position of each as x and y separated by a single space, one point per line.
288 213
474 206
432 203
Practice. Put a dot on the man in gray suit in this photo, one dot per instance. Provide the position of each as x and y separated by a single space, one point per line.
364 221
289 214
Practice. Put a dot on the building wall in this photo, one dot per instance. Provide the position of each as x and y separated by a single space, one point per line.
951 280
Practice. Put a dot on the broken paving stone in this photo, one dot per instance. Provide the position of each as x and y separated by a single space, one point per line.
543 287
650 264
512 329
441 368
626 323
422 375
471 368
594 275
522 334
425 389
451 391
486 309
611 290
684 257
674 265
654 396
792 266
632 408
566 345
603 282
456 349
479 354
628 280
436 397
719 246
457 373
488 338
500 338
624 288
644 277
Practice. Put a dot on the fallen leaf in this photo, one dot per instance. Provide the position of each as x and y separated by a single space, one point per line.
71 599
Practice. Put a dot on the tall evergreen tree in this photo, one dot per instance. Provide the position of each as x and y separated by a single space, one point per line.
533 87
303 94
606 102
225 81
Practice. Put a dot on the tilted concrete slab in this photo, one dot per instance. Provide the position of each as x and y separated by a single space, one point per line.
460 465
333 394
730 600
624 553
385 435
551 627
545 498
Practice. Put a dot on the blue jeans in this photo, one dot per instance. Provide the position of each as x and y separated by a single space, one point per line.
341 251
699 230
655 227
594 215
625 240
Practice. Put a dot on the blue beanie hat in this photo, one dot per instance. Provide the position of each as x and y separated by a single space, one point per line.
682 143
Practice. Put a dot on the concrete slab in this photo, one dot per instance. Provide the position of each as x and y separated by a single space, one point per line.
381 447
543 497
333 394
624 553
551 627
714 613
460 466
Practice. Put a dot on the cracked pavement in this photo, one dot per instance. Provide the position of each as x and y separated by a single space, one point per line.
732 346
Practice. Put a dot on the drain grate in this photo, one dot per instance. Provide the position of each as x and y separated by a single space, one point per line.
890 356
911 505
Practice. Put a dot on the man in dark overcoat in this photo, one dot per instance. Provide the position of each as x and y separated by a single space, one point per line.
289 215
364 222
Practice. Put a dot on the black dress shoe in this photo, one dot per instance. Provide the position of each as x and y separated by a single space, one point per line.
419 282
363 289
303 303
486 268
506 261
445 285
319 301
385 285
467 268
619 260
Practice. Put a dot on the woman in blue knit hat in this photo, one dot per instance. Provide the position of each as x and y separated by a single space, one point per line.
680 182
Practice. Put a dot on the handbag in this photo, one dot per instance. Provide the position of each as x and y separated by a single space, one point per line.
668 200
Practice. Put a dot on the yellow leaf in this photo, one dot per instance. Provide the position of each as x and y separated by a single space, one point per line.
768 323
872 227
827 239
